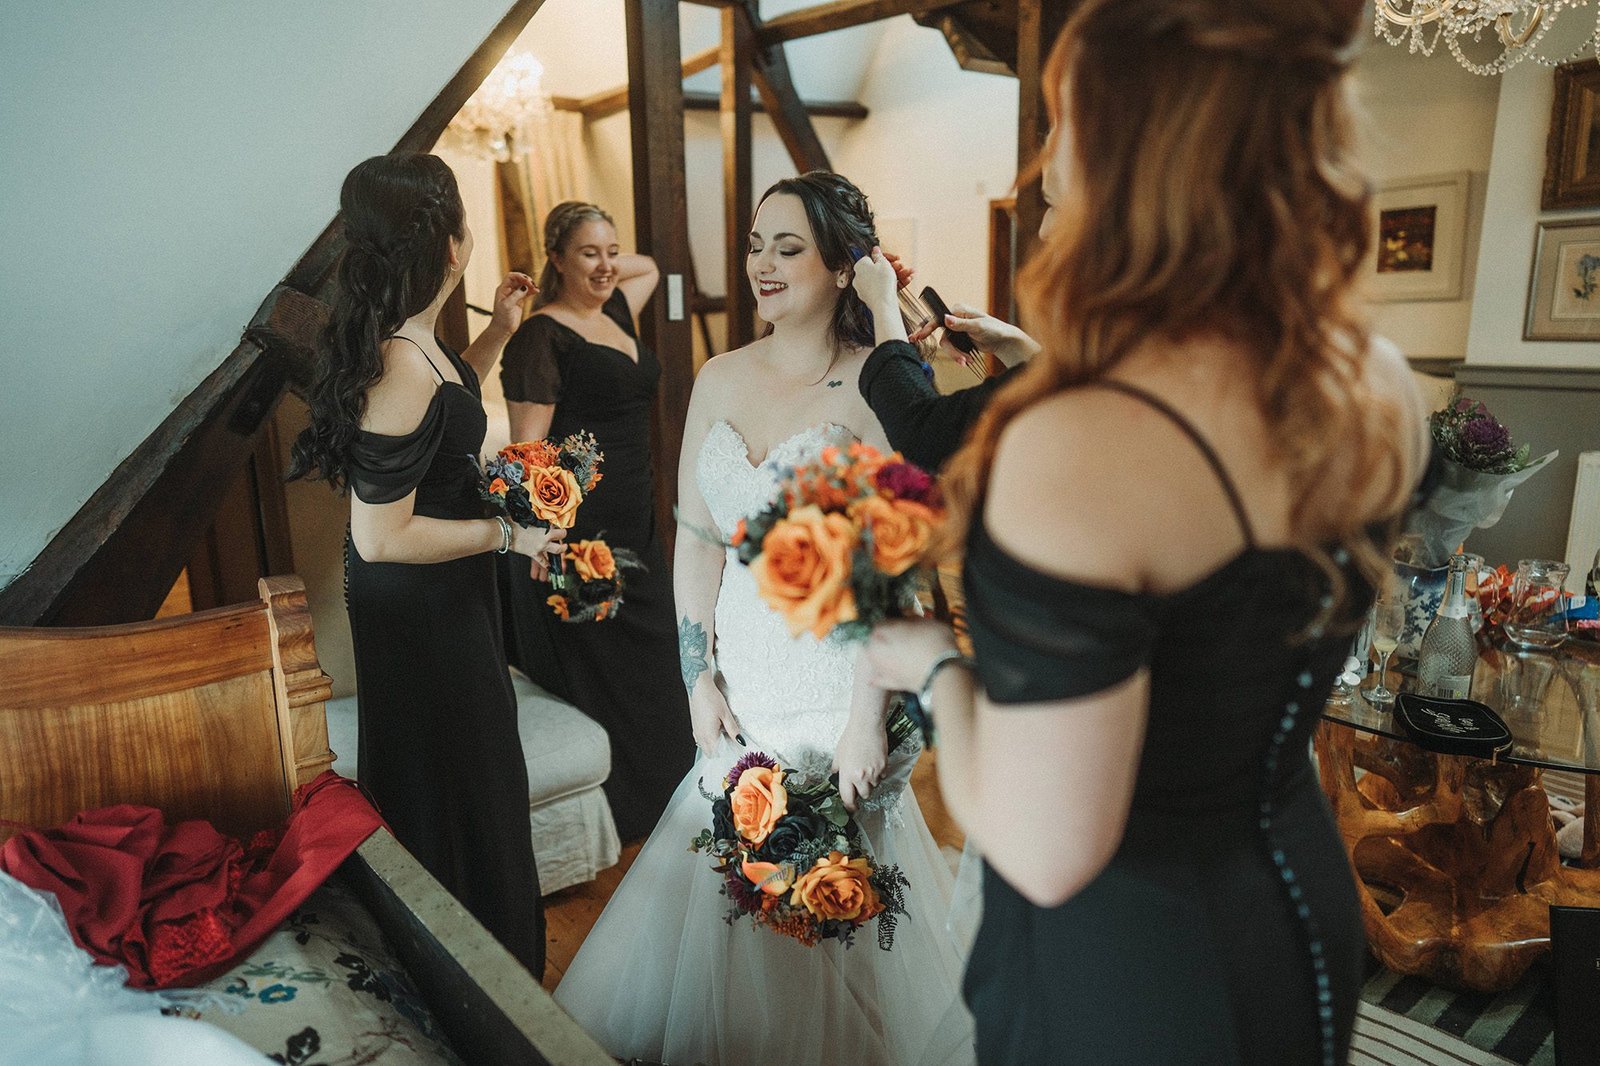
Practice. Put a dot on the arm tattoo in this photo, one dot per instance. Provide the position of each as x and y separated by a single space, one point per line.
691 651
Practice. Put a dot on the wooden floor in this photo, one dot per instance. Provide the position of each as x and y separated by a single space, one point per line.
571 913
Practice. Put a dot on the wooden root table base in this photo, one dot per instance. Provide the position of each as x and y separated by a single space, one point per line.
1467 849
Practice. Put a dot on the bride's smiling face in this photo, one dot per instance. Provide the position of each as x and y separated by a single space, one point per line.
784 265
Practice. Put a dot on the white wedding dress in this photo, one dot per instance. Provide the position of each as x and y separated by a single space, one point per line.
663 976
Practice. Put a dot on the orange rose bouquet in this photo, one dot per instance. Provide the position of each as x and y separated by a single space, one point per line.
840 548
541 483
792 858
594 584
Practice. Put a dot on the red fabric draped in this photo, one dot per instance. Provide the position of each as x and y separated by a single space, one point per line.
178 904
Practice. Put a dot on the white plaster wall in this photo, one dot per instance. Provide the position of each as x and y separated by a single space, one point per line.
1516 176
1420 116
162 165
941 143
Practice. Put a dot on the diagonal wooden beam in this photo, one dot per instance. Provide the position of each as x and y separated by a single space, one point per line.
842 14
615 101
789 115
738 53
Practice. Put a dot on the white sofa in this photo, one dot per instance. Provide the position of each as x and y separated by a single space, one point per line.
568 756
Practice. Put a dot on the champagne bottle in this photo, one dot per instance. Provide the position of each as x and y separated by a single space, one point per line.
1448 653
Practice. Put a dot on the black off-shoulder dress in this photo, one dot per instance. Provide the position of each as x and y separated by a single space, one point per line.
438 744
1226 928
623 672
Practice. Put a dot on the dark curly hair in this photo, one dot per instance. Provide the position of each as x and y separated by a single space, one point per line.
841 221
399 214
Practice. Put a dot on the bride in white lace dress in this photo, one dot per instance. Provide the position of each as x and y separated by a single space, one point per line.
663 976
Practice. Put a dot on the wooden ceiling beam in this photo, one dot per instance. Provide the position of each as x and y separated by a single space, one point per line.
1032 122
840 15
615 101
815 108
789 115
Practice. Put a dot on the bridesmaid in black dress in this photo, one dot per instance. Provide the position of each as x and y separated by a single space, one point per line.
1172 524
396 418
577 364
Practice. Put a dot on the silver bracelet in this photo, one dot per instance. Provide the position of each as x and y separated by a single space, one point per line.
946 657
505 534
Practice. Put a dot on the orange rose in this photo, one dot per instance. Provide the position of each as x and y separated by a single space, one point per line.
498 487
898 529
837 888
803 571
559 605
758 801
757 871
593 559
555 495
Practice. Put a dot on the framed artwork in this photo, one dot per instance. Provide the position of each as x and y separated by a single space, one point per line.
1564 291
1421 232
1572 150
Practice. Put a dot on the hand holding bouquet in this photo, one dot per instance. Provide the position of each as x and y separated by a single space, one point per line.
594 585
541 483
792 857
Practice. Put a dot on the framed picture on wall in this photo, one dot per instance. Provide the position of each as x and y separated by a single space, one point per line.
1572 149
1564 291
1421 233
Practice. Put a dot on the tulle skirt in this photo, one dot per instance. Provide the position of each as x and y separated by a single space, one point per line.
664 976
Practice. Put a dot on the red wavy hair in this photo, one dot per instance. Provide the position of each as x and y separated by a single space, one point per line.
1213 194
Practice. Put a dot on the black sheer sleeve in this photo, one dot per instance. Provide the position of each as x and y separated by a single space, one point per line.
921 424
530 371
385 468
1040 637
616 308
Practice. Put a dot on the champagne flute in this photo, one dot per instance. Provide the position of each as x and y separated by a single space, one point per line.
1388 621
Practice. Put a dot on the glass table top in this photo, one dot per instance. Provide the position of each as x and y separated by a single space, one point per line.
1550 701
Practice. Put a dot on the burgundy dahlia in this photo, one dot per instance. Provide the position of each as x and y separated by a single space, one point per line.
905 481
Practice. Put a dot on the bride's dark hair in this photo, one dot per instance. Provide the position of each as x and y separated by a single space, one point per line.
841 221
399 214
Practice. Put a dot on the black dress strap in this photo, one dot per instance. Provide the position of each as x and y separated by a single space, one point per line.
425 355
1156 402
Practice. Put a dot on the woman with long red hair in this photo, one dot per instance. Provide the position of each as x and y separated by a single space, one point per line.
1172 522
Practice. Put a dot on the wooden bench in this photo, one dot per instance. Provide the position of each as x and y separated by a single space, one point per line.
220 715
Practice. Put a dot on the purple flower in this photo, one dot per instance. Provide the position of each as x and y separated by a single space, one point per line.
1486 435
745 896
905 482
746 761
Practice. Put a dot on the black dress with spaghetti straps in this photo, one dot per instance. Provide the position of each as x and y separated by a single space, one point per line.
438 745
623 672
1225 929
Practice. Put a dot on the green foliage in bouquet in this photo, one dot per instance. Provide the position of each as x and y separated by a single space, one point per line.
1467 433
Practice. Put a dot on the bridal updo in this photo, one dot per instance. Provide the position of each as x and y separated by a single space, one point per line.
842 223
1210 191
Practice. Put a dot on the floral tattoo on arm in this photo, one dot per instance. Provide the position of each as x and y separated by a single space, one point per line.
692 648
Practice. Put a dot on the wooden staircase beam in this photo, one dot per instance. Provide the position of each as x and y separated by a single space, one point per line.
117 557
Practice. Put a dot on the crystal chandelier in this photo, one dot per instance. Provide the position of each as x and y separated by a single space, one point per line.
1517 25
495 118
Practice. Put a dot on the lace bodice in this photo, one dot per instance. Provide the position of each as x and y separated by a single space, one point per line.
790 694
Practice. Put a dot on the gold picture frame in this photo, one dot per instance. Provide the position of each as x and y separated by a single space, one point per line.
1572 149
1564 288
1418 238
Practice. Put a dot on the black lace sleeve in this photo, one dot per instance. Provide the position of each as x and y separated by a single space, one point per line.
385 468
1038 637
922 424
530 370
